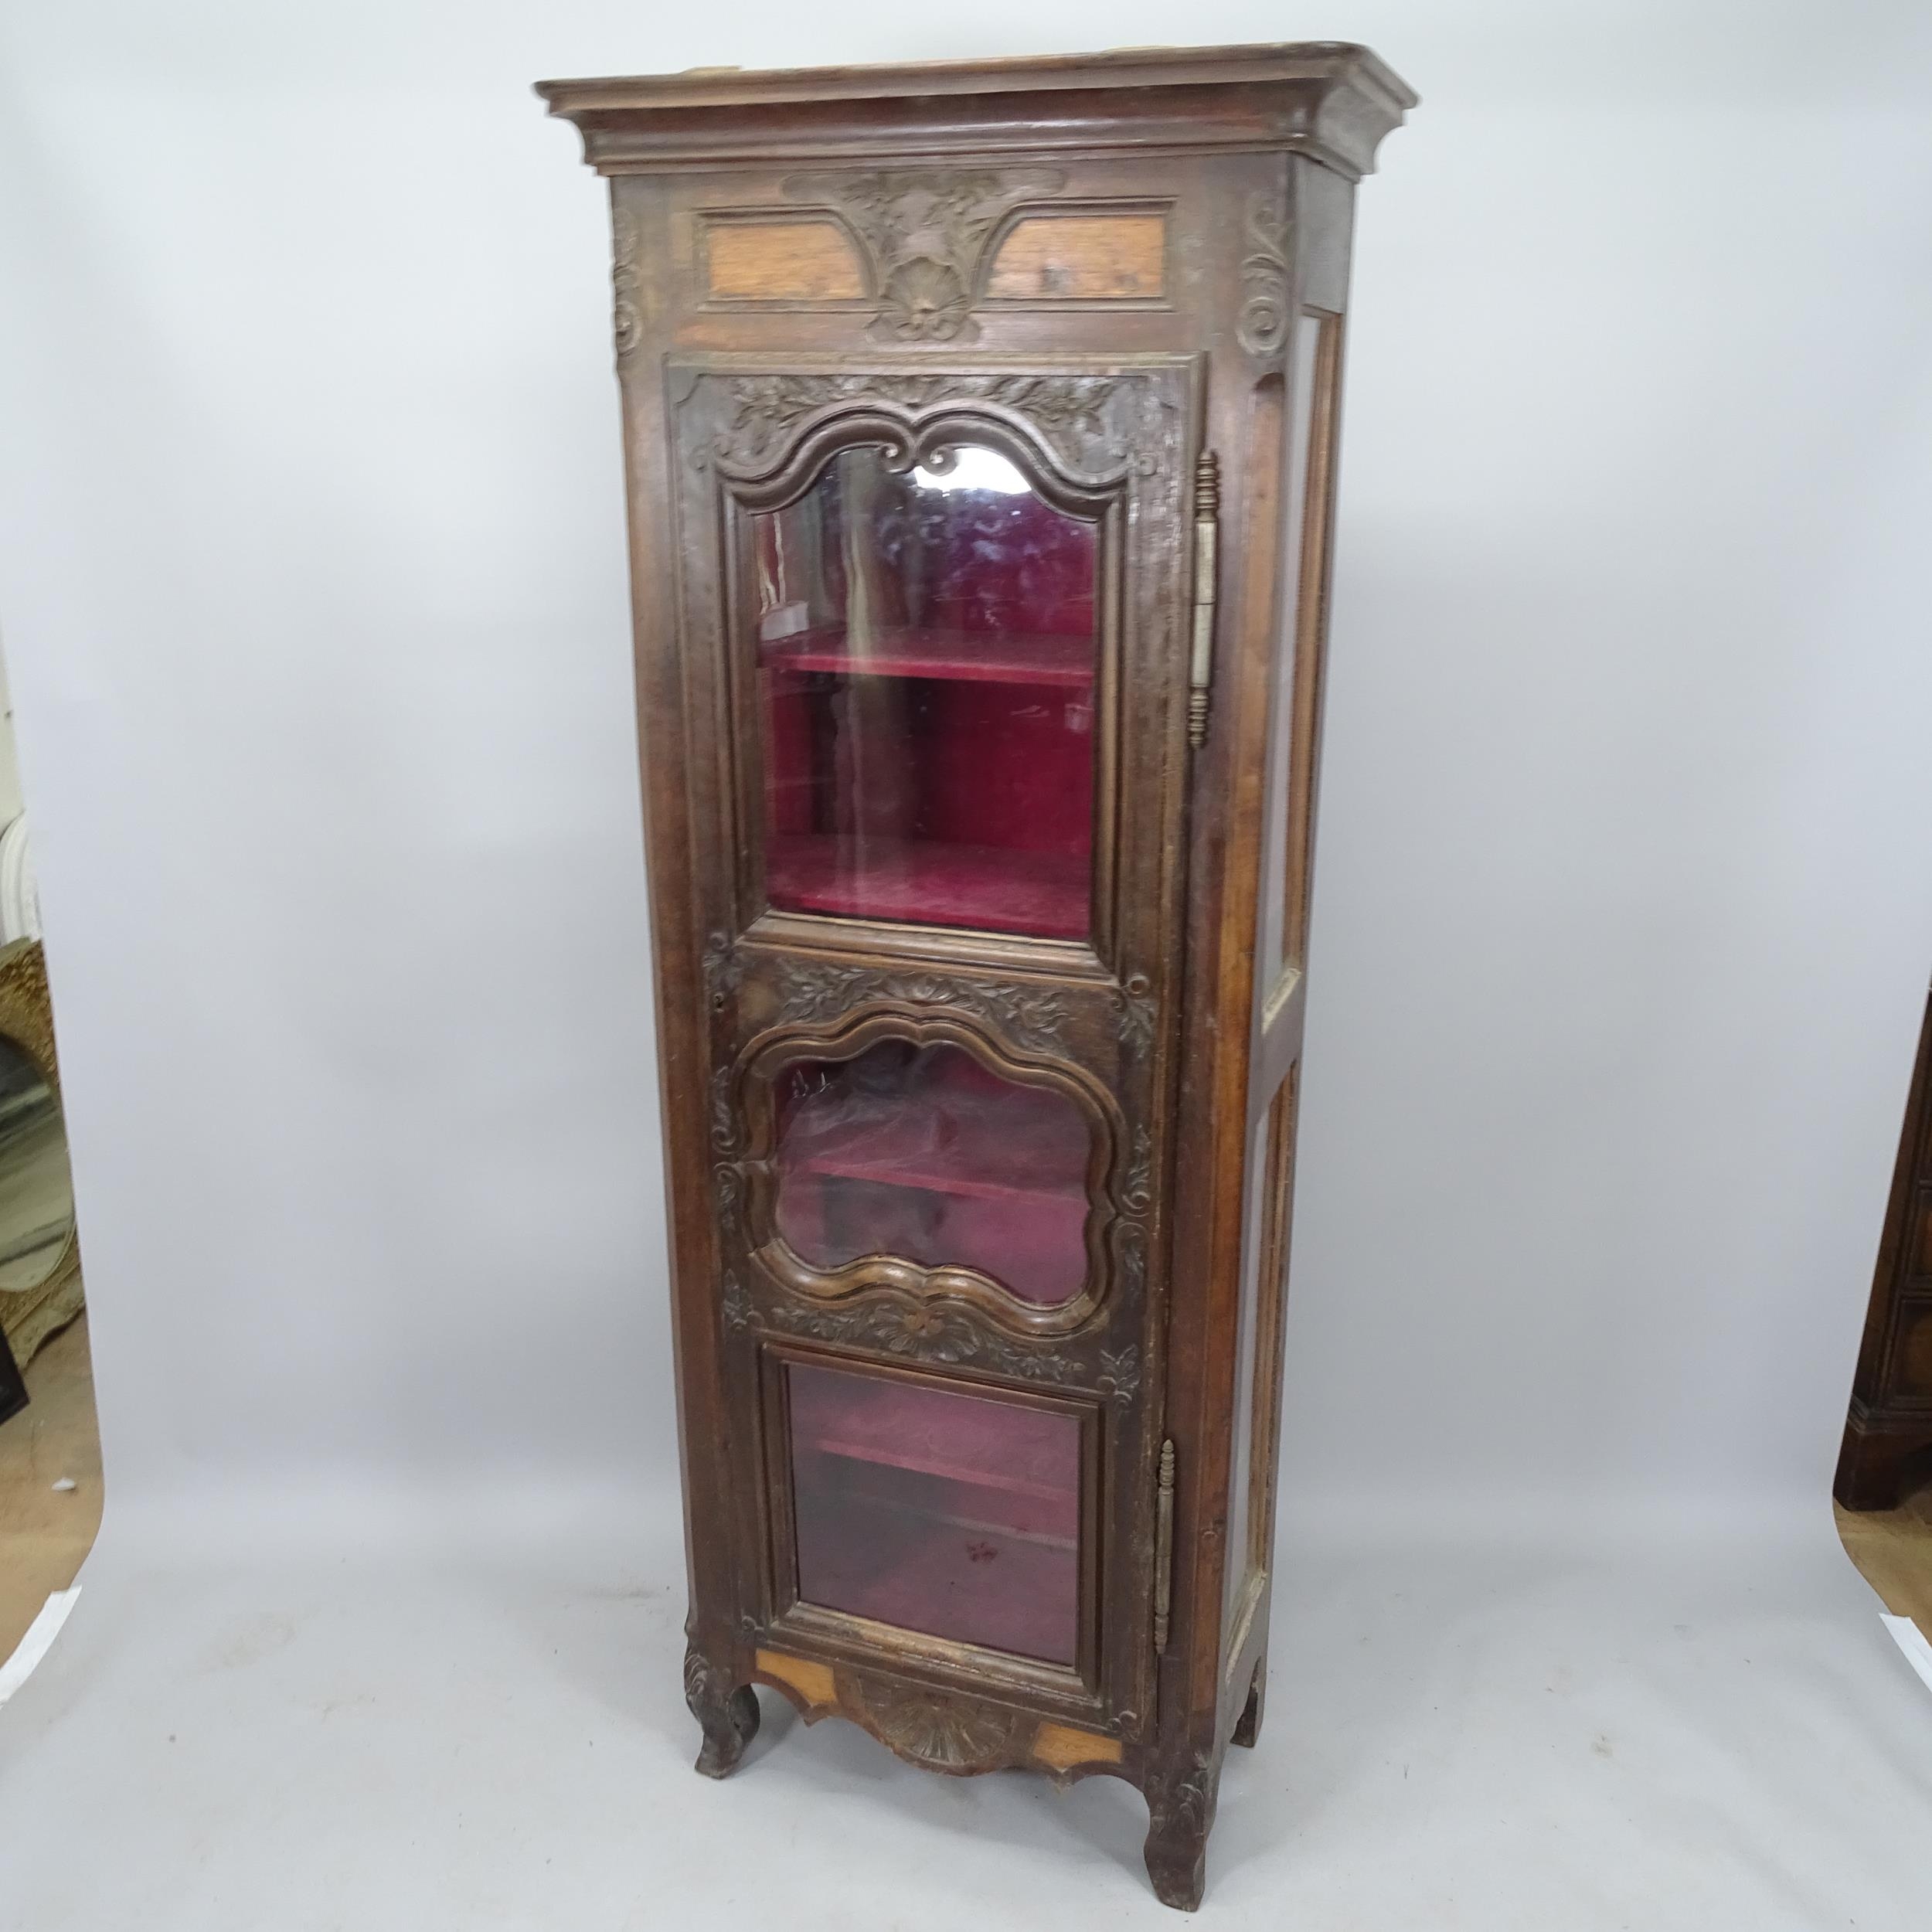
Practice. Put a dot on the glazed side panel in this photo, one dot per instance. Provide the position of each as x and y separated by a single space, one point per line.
1278 369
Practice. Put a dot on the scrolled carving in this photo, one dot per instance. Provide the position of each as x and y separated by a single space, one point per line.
1032 1015
1137 1185
1186 1796
723 969
1181 1802
1262 326
727 1130
728 1185
1121 1374
910 1327
728 1713
700 1680
1079 417
924 231
941 1733
626 324
1137 1014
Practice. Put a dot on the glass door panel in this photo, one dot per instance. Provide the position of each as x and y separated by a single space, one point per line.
927 648
956 1515
922 1152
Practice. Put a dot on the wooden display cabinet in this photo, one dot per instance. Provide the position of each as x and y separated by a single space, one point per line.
1888 1430
980 424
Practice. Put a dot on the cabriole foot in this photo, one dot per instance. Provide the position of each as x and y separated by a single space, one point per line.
1180 1807
728 1714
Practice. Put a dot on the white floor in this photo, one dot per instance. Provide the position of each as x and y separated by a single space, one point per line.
1455 1739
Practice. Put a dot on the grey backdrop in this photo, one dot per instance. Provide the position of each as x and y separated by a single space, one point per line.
311 578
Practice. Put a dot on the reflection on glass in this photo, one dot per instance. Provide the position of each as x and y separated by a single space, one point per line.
954 1514
36 1192
926 647
922 1152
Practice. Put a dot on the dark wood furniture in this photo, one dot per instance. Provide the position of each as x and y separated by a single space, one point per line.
980 422
1891 1417
13 1384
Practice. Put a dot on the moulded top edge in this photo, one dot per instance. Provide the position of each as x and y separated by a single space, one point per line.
1329 62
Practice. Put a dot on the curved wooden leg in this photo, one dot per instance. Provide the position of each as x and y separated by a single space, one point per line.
728 1713
1247 1727
1180 1810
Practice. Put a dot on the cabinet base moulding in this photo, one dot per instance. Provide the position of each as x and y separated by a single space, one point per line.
956 1736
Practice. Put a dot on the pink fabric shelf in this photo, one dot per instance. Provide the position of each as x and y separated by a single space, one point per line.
967 657
988 1444
1010 1144
1042 894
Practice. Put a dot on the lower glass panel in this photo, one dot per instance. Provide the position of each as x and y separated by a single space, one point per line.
1253 1283
922 1152
1258 1344
953 1515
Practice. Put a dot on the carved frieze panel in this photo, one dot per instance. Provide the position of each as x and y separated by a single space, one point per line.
924 231
1099 427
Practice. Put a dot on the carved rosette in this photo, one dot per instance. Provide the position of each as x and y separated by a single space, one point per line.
924 232
1262 326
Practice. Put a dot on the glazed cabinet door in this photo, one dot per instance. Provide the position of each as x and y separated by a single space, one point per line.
933 641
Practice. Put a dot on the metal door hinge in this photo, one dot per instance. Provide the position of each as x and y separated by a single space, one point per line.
1163 1546
1207 526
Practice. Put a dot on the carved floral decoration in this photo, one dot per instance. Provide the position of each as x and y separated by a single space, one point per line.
925 231
1076 416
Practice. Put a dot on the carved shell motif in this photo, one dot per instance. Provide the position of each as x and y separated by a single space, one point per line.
941 1735
925 300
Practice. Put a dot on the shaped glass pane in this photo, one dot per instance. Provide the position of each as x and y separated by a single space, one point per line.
926 649
957 1515
922 1152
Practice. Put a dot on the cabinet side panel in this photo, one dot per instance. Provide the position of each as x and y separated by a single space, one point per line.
667 761
1312 338
1221 1131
